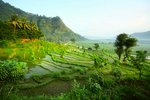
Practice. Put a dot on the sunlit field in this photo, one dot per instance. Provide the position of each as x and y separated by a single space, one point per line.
74 50
59 65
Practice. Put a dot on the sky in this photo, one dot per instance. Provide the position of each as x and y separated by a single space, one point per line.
94 19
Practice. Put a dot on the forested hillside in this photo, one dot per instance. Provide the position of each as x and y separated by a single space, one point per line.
53 27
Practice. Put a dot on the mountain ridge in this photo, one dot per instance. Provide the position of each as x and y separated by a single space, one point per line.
53 27
141 35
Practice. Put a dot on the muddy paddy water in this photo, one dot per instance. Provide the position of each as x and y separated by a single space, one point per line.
53 88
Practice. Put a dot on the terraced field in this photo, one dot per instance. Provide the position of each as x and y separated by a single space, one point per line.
71 62
54 68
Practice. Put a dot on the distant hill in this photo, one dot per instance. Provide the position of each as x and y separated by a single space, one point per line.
142 35
53 27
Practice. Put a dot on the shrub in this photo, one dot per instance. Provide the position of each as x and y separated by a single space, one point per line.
36 78
139 61
109 83
11 70
116 72
63 72
77 92
4 43
56 75
83 71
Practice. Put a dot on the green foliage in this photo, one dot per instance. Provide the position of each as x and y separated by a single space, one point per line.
119 44
96 46
6 31
99 60
139 61
56 75
4 43
120 40
131 92
5 92
17 28
130 42
123 44
116 72
77 92
62 51
93 89
11 70
119 51
98 87
73 40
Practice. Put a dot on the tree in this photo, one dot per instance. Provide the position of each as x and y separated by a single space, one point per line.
130 42
33 26
139 61
123 44
119 44
96 46
73 40
25 24
14 21
83 48
119 52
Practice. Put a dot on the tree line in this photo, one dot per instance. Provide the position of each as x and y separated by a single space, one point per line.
16 28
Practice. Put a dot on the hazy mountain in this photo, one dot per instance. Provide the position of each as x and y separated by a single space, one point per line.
53 27
142 35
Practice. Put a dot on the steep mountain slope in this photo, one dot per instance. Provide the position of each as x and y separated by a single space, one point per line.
53 28
142 35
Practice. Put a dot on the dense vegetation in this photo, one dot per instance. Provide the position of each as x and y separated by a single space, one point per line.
18 28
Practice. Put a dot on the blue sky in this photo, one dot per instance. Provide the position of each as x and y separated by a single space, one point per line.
93 18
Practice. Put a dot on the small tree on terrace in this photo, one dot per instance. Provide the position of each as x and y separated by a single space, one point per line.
73 40
139 61
96 46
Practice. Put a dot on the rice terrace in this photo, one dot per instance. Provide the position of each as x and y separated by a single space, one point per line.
42 59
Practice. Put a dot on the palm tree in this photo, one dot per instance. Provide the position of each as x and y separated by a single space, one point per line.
15 22
25 24
33 26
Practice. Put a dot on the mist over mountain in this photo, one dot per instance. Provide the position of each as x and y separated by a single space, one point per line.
53 27
142 35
